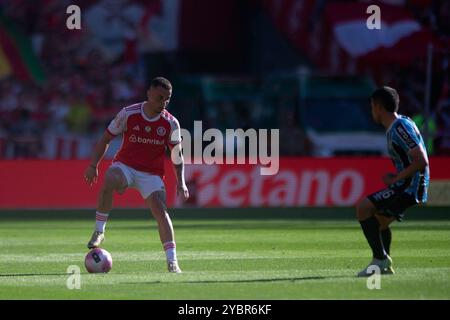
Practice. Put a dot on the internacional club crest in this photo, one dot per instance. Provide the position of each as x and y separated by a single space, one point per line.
161 131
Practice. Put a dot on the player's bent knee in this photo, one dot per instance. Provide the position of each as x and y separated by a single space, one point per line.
364 209
384 221
113 180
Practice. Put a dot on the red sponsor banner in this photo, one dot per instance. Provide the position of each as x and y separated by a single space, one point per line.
299 182
44 184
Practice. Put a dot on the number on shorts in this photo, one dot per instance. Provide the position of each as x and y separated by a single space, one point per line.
387 194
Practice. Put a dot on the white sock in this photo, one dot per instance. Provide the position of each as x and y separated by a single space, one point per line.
170 250
100 221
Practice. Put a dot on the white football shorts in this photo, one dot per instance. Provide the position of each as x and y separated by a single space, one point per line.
146 183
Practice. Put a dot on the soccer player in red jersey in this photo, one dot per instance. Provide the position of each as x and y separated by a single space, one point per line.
147 129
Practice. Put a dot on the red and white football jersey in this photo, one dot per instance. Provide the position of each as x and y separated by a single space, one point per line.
144 139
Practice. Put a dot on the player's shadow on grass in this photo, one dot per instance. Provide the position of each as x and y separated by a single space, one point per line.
245 280
2 275
259 280
288 225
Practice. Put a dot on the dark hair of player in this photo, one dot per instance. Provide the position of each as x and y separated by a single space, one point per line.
387 97
161 82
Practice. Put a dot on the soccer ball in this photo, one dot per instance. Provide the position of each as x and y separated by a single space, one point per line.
98 261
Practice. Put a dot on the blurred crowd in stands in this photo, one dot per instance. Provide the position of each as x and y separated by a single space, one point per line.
83 88
86 84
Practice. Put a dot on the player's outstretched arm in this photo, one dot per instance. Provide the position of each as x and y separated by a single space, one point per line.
91 172
419 163
178 166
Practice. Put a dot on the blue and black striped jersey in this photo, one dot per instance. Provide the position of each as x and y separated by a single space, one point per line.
402 136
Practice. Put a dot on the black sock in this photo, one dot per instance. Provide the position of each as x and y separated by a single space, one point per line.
371 229
386 236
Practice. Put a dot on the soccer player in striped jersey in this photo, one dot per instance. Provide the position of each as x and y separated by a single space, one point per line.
406 188
148 129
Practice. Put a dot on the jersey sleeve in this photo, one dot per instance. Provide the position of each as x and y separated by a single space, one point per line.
406 136
119 124
175 133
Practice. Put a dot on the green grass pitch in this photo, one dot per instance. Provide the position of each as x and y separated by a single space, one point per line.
225 254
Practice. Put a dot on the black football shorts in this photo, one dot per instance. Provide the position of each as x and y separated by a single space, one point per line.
392 202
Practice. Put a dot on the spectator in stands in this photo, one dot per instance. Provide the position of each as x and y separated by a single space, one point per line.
9 91
429 134
25 135
3 140
79 116
59 110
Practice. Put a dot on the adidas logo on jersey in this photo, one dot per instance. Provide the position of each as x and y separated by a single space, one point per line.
136 128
